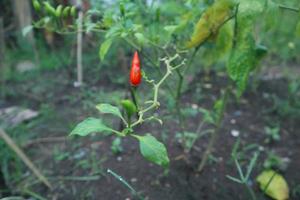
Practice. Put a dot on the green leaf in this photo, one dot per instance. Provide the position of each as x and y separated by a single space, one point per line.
104 48
272 15
251 8
260 51
109 109
273 184
171 28
219 106
207 116
141 38
242 59
153 150
90 125
116 145
243 56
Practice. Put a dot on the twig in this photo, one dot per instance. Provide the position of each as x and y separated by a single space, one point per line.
44 140
13 198
33 194
76 178
155 102
24 158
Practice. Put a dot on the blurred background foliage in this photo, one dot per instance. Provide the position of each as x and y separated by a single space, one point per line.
149 24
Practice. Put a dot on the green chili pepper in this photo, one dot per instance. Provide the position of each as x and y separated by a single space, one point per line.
49 9
36 5
66 11
73 11
58 11
129 107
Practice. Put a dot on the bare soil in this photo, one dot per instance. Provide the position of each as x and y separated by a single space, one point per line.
92 156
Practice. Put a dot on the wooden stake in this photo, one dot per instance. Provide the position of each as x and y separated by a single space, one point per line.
8 140
79 51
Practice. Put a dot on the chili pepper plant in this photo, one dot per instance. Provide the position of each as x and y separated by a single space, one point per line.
165 45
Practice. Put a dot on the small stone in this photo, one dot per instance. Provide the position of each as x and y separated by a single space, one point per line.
133 180
194 106
235 133
25 66
237 113
96 145
261 148
119 158
77 84
232 121
207 86
80 154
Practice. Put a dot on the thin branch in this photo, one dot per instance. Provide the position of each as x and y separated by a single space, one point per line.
44 140
24 158
155 102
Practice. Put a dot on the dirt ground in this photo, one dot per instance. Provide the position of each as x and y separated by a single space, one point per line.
90 157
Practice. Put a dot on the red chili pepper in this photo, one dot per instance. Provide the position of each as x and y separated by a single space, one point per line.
135 72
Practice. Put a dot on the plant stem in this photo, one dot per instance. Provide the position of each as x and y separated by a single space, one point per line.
221 114
122 180
252 194
235 28
33 194
214 133
179 90
288 8
179 86
182 74
134 98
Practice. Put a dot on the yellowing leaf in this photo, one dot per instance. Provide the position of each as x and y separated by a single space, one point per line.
273 184
211 20
221 46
